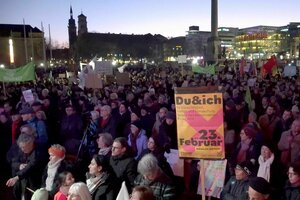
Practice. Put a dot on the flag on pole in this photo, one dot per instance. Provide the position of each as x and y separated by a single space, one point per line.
24 73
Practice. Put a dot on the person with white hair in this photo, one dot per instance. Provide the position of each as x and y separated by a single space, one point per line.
79 191
106 122
150 174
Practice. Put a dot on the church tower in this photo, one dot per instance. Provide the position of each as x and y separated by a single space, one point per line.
72 30
82 24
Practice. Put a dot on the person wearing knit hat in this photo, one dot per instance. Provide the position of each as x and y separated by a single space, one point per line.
246 166
237 185
250 131
137 138
55 166
259 189
270 168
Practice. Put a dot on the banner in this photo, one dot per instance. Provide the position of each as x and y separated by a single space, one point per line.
214 177
209 69
200 128
24 73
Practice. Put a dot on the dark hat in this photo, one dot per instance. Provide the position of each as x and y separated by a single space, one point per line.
250 131
36 103
27 110
230 104
260 185
170 115
137 124
270 146
136 111
246 166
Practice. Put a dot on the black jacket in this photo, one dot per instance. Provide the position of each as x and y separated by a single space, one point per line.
125 168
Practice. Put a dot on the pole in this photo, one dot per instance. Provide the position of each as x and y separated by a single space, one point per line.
202 175
44 48
4 90
25 41
50 43
32 50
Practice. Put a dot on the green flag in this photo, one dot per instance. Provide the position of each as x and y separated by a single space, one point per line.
209 69
24 73
248 98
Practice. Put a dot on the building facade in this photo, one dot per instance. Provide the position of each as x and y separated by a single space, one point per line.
20 44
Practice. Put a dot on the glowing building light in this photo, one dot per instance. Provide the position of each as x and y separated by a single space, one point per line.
11 51
1 66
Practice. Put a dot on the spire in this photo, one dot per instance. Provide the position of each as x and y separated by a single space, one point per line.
71 12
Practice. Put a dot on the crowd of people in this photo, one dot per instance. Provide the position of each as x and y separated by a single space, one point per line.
74 143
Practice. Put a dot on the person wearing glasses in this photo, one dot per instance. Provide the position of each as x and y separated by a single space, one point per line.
123 163
292 187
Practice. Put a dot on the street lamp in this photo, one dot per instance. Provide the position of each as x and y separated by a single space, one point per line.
11 51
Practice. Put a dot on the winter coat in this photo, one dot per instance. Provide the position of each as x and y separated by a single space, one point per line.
71 133
125 169
291 193
107 189
290 152
141 142
64 166
235 189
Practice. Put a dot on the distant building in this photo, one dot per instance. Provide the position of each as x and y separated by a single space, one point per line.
121 47
196 41
14 33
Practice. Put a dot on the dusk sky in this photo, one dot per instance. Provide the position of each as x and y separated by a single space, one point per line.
170 18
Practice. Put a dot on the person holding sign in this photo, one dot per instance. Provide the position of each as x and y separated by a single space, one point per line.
237 186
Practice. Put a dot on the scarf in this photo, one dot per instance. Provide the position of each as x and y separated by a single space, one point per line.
94 182
51 171
104 151
243 150
264 167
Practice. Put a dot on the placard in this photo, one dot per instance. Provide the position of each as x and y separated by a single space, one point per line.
200 130
28 96
214 177
104 67
93 81
62 75
123 78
